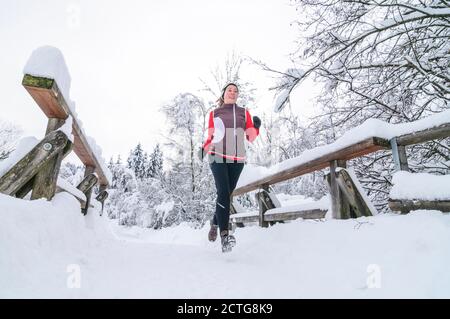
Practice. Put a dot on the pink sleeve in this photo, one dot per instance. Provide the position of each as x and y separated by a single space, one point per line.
250 130
207 144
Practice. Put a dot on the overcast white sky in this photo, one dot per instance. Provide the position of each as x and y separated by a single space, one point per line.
126 58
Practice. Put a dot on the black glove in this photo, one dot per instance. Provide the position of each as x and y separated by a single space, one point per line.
256 122
201 154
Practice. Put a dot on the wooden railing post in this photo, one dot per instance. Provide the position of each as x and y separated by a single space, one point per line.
44 184
339 207
399 155
86 186
102 196
403 159
264 204
88 171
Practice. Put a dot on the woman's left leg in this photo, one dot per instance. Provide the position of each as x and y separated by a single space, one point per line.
234 172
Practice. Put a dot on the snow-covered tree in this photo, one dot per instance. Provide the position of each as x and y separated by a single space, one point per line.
119 160
374 59
155 163
9 136
185 134
137 161
72 173
382 59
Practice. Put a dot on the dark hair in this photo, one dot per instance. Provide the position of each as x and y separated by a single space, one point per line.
220 101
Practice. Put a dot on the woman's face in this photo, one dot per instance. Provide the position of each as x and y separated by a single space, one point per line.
231 94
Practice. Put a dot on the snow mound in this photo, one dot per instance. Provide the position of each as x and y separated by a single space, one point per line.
420 186
49 250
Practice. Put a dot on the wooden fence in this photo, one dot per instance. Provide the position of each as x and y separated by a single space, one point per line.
346 199
38 170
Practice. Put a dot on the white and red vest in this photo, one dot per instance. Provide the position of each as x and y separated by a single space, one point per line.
228 126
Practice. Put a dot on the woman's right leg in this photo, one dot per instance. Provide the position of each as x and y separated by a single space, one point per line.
220 173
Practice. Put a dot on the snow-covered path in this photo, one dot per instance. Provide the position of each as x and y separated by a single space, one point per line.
44 244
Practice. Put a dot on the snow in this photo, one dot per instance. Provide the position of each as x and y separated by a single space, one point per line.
49 62
287 82
66 128
420 186
246 214
282 97
337 67
165 208
370 128
24 146
62 183
288 203
49 250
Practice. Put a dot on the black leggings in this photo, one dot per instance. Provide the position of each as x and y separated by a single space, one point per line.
226 176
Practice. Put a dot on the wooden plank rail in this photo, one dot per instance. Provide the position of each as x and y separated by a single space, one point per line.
281 216
305 214
51 101
406 205
441 131
245 219
81 199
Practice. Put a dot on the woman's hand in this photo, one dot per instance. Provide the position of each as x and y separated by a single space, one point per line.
256 122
